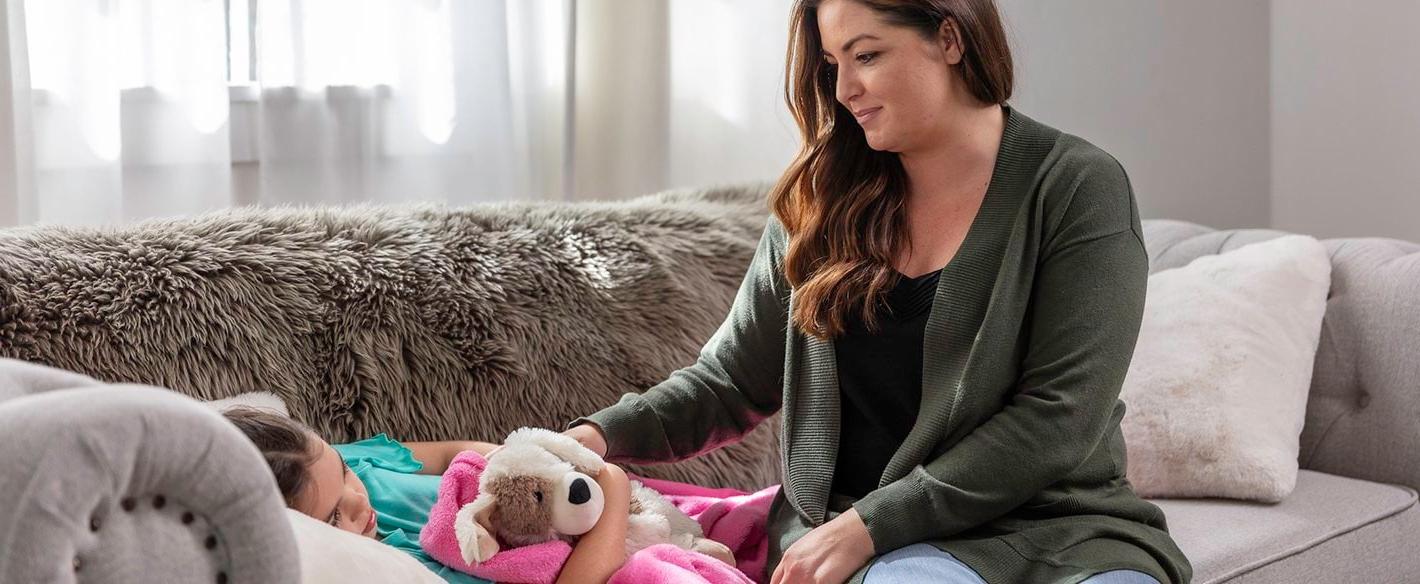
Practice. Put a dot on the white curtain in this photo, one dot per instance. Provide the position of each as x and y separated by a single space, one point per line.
126 109
116 110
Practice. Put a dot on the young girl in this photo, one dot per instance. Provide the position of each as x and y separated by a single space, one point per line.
382 488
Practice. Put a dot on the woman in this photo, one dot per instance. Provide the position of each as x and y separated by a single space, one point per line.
944 303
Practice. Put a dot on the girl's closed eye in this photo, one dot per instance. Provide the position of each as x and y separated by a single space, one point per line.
335 515
866 58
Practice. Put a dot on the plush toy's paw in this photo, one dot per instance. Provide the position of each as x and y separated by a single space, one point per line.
714 549
476 542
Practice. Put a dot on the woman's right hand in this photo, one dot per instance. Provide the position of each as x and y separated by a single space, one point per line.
589 435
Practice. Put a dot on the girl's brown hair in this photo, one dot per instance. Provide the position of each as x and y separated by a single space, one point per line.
841 201
285 443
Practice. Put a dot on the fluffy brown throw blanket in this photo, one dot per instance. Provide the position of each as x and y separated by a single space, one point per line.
423 322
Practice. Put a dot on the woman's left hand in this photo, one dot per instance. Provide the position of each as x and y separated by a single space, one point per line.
829 554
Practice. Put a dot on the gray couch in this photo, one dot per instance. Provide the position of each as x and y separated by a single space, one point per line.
1352 517
432 323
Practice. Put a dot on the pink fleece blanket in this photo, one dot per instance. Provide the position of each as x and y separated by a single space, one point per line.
734 518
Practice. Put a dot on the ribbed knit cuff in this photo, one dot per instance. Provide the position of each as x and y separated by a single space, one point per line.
896 515
632 431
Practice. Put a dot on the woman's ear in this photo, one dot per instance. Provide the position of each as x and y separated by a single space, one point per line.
949 40
473 528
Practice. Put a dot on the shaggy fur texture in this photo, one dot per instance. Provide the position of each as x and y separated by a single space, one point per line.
424 322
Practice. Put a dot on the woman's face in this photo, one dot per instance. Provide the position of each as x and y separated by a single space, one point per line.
334 494
897 84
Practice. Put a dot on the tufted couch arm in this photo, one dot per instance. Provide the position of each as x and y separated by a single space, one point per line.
126 483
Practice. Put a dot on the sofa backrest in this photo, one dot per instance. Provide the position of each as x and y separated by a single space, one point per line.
1363 412
433 323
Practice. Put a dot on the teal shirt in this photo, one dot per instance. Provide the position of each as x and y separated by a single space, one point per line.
401 497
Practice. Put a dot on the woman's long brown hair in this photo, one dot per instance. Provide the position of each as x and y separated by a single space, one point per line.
841 201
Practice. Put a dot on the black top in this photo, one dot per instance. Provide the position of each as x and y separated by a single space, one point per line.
880 380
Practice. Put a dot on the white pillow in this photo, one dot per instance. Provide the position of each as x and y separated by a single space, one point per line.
257 399
335 556
1217 392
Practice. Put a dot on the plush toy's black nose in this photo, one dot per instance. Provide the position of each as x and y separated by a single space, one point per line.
579 492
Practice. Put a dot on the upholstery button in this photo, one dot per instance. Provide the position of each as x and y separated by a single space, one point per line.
94 523
159 501
221 578
211 542
128 503
187 518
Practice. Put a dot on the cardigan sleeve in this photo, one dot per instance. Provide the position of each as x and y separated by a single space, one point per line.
1088 303
736 382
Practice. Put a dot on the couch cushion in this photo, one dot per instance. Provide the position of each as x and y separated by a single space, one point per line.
1384 551
1363 405
1225 539
1217 389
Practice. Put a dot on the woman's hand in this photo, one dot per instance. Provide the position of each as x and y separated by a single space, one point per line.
590 436
829 554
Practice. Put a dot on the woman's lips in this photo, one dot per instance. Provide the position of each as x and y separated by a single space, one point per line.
866 115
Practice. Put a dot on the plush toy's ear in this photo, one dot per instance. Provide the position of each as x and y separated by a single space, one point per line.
474 530
560 445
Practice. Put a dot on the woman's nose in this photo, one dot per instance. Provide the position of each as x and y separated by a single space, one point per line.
847 87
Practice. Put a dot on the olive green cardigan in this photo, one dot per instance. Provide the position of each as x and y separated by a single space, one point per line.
1016 462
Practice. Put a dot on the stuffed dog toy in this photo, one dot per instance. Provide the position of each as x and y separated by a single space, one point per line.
539 486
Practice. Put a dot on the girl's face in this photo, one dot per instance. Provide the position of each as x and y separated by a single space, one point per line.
897 84
334 494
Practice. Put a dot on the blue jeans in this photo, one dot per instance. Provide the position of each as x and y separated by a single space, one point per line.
924 563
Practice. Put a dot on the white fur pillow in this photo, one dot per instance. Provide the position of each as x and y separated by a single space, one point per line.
1217 392
330 555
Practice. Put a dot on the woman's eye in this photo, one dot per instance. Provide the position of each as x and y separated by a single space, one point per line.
335 518
866 57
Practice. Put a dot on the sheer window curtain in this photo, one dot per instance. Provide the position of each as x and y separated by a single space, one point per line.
115 110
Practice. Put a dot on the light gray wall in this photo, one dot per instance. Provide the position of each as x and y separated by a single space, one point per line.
1177 91
1239 113
1346 118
